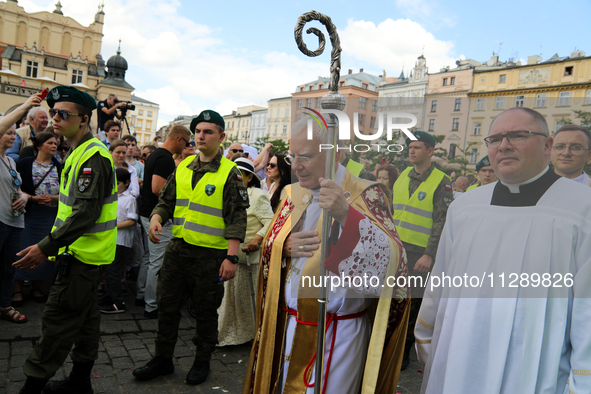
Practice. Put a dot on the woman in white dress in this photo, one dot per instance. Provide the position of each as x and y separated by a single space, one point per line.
236 320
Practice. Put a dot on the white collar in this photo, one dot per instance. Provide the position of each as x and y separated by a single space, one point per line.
514 187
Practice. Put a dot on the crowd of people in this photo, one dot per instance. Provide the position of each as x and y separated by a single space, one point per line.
238 232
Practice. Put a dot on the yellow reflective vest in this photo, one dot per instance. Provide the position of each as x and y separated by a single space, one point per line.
96 246
413 215
198 213
354 167
474 186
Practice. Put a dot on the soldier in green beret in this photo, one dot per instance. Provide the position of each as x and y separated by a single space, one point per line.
83 238
422 194
207 201
486 174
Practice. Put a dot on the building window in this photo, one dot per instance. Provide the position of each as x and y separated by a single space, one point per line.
275 131
146 139
374 106
32 68
342 83
318 105
458 105
364 86
541 100
372 122
473 155
148 125
361 119
568 70
444 81
452 81
320 86
431 124
362 102
452 151
284 129
309 102
502 78
477 127
301 88
500 102
311 87
480 104
77 76
300 104
564 99
519 99
434 106
139 124
588 98
140 112
286 113
455 124
150 114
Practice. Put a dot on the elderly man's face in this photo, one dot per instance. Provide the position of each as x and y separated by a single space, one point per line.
40 121
565 162
308 163
518 163
462 183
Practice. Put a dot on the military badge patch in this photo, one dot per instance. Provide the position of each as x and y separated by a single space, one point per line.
422 196
206 116
83 183
209 189
56 94
447 201
244 195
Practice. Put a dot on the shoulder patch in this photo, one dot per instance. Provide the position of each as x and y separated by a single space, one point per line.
84 181
448 187
243 194
239 177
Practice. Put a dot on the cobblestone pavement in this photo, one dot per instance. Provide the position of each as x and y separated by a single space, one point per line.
127 342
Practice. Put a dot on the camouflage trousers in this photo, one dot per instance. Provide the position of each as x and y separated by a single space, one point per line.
189 271
71 317
416 297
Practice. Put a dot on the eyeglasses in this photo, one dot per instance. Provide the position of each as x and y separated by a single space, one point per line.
237 150
192 143
516 137
272 165
62 113
575 150
187 142
303 160
63 149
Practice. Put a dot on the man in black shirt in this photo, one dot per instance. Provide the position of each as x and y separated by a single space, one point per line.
107 110
158 168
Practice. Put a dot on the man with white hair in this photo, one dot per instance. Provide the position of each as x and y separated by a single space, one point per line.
38 121
514 315
363 241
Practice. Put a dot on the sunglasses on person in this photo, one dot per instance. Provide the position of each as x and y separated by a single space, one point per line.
237 150
63 149
15 179
62 113
272 165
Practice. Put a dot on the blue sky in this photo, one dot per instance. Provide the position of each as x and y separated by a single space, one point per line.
188 56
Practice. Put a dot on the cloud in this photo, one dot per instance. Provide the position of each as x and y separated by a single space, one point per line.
428 12
394 43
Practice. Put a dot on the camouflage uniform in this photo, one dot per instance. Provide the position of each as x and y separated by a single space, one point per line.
193 271
71 315
441 199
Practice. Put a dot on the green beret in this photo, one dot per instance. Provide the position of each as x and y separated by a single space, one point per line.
423 137
484 162
208 116
70 94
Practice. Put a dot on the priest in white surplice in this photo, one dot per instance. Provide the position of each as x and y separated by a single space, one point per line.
531 225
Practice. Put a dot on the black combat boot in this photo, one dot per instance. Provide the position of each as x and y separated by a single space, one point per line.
155 367
198 372
33 386
77 383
